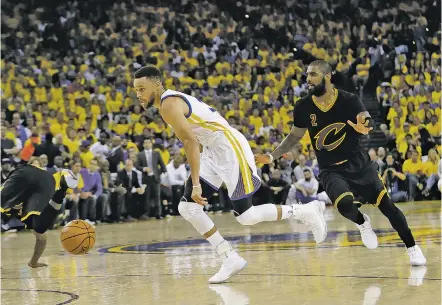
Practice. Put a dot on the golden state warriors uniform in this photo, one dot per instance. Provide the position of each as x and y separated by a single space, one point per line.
227 156
344 164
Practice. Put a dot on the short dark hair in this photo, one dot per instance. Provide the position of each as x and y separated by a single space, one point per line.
149 71
323 66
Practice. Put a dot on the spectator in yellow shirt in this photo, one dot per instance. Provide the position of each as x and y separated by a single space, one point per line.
85 154
413 168
431 171
434 127
256 120
71 141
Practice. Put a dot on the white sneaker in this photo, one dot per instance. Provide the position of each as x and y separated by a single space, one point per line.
311 214
232 263
417 258
417 275
368 236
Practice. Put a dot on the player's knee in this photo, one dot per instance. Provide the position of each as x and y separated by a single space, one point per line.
345 205
190 210
248 218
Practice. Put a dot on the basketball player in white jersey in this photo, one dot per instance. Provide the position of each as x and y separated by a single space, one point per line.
226 157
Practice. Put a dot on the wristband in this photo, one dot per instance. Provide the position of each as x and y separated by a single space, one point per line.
195 186
271 157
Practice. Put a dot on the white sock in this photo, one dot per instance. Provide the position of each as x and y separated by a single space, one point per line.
265 212
271 212
215 239
194 214
56 206
287 211
297 211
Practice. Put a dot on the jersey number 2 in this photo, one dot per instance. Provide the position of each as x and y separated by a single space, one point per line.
313 118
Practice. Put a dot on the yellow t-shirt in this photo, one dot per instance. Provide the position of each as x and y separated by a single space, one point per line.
86 158
213 81
72 145
235 113
412 168
430 168
57 178
121 129
436 96
434 130
257 122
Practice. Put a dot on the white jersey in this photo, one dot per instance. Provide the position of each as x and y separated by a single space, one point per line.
227 156
206 123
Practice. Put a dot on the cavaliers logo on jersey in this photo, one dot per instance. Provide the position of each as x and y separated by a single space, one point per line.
321 137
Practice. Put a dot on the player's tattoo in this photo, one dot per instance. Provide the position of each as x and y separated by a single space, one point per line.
289 141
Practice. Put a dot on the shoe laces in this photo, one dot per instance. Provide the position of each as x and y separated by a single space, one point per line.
365 228
414 253
309 222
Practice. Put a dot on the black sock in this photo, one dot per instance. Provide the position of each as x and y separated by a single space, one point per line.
397 220
350 210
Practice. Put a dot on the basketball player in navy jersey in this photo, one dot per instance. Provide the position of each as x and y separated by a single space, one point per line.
336 120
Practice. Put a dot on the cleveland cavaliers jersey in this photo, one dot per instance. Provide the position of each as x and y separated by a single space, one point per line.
206 123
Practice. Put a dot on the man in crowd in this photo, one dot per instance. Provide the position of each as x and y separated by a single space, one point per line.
307 189
150 163
299 169
128 204
92 190
394 180
414 170
177 175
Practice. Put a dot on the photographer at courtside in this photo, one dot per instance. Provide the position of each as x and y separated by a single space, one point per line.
394 180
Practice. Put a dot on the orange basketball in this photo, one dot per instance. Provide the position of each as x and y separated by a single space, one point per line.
77 237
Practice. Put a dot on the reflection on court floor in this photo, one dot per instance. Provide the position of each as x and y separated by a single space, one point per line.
165 262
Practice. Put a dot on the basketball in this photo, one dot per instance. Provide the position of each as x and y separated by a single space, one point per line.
77 237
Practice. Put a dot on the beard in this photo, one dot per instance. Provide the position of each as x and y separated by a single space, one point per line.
147 105
318 90
308 179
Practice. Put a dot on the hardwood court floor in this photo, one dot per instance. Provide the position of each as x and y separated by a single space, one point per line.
165 262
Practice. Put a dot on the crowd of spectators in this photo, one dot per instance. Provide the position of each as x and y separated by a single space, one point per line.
67 96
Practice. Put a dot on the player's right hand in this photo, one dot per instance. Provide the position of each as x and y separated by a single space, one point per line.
197 192
262 159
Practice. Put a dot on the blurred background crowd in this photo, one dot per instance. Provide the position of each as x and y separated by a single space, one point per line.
67 99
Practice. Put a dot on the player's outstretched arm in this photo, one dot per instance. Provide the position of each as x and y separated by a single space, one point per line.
286 145
173 111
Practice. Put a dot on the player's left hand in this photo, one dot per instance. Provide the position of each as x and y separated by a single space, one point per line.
197 192
361 123
37 265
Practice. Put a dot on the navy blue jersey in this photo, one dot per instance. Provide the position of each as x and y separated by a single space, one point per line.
334 141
